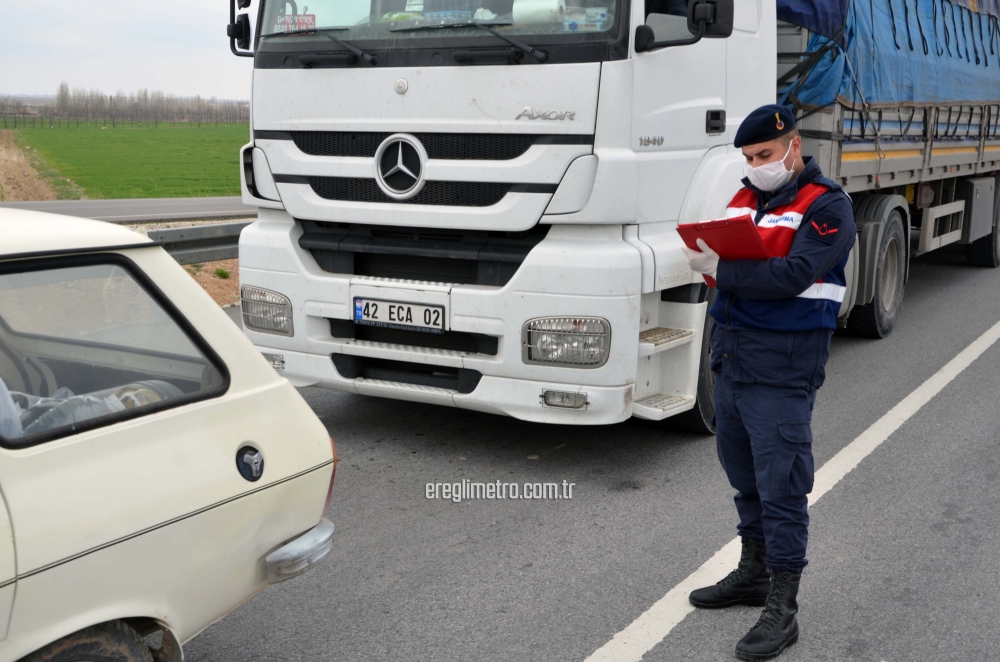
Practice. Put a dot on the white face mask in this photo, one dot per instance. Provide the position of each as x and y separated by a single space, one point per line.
772 176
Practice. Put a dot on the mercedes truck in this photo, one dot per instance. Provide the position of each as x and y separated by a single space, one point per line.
474 203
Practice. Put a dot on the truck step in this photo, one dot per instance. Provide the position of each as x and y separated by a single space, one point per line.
661 339
660 406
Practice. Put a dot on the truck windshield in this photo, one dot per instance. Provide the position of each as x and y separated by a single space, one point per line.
398 22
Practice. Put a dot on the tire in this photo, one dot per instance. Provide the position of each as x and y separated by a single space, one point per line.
701 419
107 642
876 319
985 251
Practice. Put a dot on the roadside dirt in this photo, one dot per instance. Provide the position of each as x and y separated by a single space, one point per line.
19 181
225 291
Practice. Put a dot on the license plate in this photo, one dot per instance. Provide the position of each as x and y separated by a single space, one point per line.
396 315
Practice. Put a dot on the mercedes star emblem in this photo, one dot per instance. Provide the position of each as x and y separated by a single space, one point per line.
399 166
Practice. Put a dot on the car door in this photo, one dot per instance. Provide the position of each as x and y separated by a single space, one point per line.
674 89
124 476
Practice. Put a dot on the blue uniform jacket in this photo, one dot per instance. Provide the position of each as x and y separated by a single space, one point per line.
760 336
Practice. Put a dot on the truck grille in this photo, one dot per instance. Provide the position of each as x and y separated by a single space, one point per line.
450 146
431 255
457 341
487 147
460 380
449 194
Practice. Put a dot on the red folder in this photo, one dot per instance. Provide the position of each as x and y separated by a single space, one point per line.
732 238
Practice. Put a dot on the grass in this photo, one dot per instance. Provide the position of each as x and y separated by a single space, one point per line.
65 189
221 273
163 162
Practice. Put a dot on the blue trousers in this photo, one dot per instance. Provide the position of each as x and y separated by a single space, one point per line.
764 441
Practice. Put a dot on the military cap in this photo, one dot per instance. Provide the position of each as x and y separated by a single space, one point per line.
764 124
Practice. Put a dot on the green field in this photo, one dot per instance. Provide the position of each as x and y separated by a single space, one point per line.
163 162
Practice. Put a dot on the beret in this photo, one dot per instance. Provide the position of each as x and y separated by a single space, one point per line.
764 124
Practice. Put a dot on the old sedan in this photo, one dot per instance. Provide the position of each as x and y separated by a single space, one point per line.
156 471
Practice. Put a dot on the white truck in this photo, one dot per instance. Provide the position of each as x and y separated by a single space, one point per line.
474 203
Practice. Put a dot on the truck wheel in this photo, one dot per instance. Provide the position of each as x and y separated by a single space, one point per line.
107 642
701 419
985 251
876 319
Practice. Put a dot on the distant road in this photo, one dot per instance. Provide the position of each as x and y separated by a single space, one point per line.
148 209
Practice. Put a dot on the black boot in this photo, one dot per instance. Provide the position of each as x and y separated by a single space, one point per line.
776 629
747 585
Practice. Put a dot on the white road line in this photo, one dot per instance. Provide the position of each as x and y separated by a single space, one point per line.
655 623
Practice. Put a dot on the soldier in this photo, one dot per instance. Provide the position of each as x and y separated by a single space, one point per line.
770 340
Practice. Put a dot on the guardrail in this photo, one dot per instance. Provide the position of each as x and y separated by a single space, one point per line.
145 210
201 243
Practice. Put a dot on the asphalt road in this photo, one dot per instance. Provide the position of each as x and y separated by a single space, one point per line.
902 551
150 209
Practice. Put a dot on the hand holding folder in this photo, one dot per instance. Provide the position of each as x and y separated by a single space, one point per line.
732 238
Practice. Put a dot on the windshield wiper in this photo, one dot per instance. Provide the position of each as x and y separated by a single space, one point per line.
367 57
538 54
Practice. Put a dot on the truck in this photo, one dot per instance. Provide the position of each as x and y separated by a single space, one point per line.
474 203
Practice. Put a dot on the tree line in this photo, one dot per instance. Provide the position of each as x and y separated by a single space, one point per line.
143 107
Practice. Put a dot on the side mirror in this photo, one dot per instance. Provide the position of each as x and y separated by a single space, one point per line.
644 38
240 32
706 18
717 15
238 29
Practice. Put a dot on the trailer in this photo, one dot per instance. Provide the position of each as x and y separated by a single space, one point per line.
474 203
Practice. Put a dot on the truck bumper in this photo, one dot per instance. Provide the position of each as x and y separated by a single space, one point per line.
520 398
579 271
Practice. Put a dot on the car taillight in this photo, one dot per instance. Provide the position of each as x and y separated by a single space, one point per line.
333 475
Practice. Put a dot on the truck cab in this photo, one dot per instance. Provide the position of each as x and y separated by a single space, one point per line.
513 169
474 202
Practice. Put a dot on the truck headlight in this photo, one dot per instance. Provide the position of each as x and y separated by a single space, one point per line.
576 342
266 311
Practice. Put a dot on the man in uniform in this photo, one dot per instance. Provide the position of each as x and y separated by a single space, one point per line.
773 320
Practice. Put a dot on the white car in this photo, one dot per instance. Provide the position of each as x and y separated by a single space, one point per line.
155 470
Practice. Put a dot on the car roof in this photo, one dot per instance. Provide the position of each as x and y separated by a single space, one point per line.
33 232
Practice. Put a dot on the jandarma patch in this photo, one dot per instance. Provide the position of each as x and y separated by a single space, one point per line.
824 229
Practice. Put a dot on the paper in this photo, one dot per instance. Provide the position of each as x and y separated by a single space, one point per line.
528 12
295 23
586 14
450 15
582 26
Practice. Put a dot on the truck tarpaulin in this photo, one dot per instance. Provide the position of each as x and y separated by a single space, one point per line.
904 53
825 17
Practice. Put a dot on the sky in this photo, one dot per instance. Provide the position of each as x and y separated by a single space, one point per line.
176 46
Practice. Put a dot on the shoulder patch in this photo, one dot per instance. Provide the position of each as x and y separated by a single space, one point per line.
824 228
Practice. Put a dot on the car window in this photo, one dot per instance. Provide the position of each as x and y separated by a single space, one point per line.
85 344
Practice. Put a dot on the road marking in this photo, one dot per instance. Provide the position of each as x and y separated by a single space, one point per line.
655 623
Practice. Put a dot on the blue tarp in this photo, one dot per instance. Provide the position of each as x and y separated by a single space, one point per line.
906 53
828 17
825 17
991 7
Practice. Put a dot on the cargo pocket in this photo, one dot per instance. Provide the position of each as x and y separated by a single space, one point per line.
792 470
